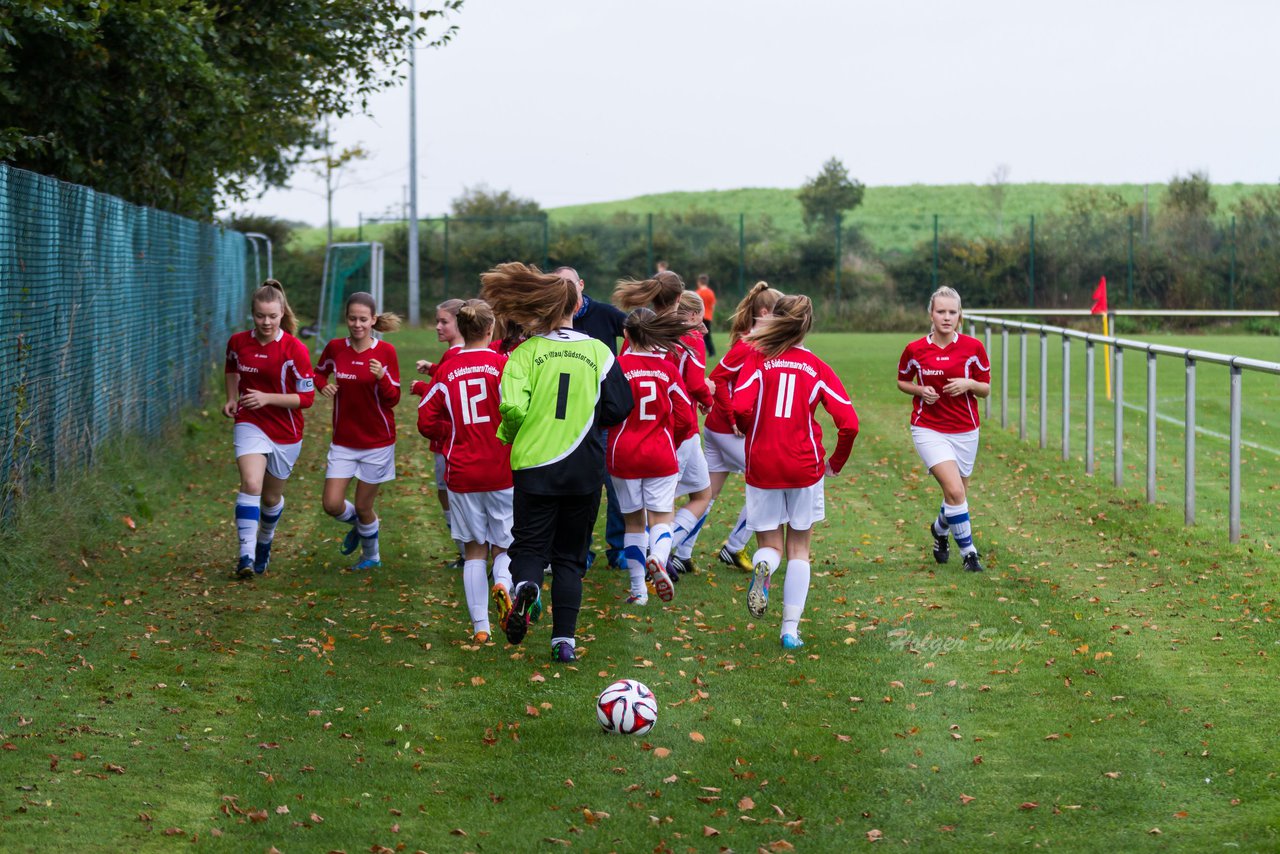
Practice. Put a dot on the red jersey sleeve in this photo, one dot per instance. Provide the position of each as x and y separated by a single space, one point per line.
684 424
747 393
389 385
693 369
434 419
325 366
836 401
301 377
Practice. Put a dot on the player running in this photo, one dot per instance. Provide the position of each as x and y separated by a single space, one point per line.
774 405
723 441
446 332
461 412
558 389
642 457
946 372
268 382
695 480
364 391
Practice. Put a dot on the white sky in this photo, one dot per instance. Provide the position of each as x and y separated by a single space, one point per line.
571 101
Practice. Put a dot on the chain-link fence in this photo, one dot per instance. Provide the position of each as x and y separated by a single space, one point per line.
111 316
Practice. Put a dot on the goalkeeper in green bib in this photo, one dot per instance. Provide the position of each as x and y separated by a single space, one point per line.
560 388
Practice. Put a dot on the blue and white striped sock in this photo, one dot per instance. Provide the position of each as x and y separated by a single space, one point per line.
368 540
267 524
958 521
634 547
660 543
248 513
686 542
940 525
740 535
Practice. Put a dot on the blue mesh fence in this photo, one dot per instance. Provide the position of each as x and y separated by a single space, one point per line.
111 317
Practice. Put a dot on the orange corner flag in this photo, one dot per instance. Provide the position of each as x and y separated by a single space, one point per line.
1100 297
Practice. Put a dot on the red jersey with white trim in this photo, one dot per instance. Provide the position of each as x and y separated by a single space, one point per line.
925 363
725 376
774 405
362 409
645 445
281 366
460 412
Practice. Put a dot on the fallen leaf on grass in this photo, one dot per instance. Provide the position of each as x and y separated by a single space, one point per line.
258 816
746 804
965 800
173 831
697 736
114 769
661 752
1155 831
532 711
1114 775
128 520
781 845
282 810
874 836
671 779
538 677
1028 805
477 681
457 831
1180 814
709 831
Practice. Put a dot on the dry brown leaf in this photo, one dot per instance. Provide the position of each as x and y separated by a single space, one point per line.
697 736
671 779
661 752
1114 775
1155 831
282 810
532 711
1180 814
538 677
173 831
874 835
477 681
1028 805
746 804
781 845
457 831
965 800
707 830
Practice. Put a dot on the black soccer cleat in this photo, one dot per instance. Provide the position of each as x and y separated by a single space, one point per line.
517 625
972 563
941 546
676 567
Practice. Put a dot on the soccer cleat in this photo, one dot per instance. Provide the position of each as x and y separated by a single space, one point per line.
366 563
638 599
972 563
564 653
480 637
351 541
261 557
517 625
941 546
738 559
457 564
758 592
657 577
791 642
677 567
502 599
244 569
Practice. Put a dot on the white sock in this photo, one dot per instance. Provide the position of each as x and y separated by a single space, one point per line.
475 585
958 520
502 571
347 514
660 543
741 535
634 547
248 512
795 589
267 523
768 556
687 545
686 527
368 540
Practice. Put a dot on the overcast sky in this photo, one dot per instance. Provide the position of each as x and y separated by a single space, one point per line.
572 101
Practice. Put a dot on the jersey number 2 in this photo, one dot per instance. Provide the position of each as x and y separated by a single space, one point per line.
650 388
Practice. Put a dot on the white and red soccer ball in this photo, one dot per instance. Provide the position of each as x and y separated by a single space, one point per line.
627 707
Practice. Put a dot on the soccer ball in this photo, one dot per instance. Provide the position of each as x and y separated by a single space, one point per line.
627 707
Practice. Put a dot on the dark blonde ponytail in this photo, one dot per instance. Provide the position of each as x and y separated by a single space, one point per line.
272 291
648 330
661 292
475 321
791 320
759 299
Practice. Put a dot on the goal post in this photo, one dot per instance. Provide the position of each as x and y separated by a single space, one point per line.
348 269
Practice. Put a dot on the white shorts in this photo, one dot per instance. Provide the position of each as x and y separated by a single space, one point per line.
693 467
441 464
934 447
725 452
481 517
369 465
249 439
646 493
770 509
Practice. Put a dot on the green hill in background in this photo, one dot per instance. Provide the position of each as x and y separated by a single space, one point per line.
890 218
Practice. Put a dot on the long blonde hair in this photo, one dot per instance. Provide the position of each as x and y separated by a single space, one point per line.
648 330
525 295
273 291
791 320
759 299
661 292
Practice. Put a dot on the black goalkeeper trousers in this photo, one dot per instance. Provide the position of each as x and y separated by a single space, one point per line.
555 530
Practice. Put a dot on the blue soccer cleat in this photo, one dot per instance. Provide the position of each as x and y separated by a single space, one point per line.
366 563
261 557
351 541
791 642
244 569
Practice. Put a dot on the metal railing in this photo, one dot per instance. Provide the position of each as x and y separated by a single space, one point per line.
1236 364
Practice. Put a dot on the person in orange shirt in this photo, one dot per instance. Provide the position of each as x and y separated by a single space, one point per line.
708 308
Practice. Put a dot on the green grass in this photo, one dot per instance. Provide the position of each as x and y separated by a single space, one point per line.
1110 675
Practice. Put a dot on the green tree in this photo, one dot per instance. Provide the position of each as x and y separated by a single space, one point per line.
1191 195
829 194
482 201
181 104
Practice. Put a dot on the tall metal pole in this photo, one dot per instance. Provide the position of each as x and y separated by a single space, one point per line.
415 314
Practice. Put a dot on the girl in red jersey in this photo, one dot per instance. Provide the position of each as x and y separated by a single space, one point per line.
695 481
774 406
461 412
268 382
723 443
367 373
641 454
447 332
946 372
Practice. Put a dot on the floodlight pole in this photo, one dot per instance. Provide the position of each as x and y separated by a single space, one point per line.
414 313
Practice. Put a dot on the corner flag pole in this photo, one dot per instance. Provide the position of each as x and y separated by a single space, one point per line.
1100 307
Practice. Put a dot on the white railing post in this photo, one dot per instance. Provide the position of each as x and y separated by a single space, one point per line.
987 414
1066 398
1022 385
1044 389
1118 476
1233 511
1088 407
1004 378
1189 488
1151 427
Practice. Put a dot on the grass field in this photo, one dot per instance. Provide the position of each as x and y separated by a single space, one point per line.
891 218
1108 683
